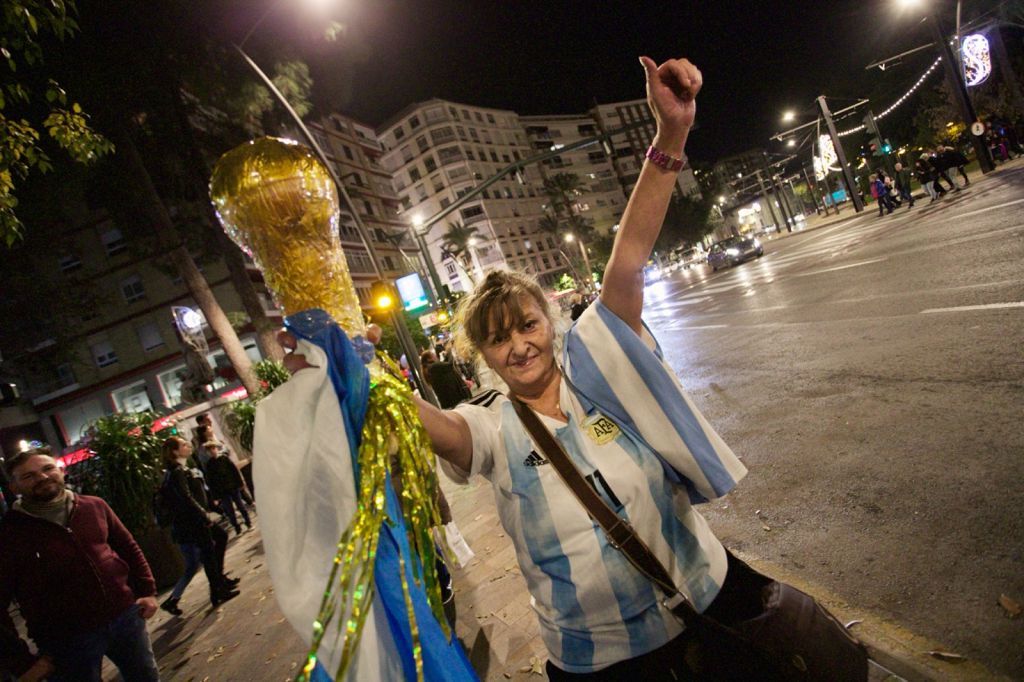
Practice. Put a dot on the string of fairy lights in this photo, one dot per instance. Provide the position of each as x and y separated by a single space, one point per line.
901 100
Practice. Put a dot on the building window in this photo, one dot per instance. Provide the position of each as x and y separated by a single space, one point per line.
65 374
478 117
445 202
414 174
132 289
399 133
70 263
430 164
469 155
438 185
113 241
149 336
103 353
421 192
389 263
472 212
494 157
490 118
348 153
406 154
414 122
134 398
421 143
368 207
442 135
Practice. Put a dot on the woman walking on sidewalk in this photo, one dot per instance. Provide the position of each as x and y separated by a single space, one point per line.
200 539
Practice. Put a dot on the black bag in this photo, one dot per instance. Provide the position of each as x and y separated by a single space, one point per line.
792 638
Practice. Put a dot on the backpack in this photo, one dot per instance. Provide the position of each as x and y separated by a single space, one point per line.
162 509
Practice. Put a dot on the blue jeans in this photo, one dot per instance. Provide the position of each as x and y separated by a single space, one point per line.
193 560
124 640
228 504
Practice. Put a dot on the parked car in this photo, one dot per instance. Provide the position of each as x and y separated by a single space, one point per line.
733 251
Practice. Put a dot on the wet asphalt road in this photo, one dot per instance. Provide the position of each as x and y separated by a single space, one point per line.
881 419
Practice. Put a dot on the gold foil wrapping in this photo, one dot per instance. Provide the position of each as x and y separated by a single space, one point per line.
278 203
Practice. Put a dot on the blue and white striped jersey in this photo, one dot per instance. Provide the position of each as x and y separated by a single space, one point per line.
594 608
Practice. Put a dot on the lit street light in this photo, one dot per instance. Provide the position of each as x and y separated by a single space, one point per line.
788 117
790 143
570 237
397 318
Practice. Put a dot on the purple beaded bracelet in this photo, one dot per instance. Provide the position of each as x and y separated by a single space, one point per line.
663 160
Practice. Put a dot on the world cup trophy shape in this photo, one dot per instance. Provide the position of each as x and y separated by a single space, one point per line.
279 204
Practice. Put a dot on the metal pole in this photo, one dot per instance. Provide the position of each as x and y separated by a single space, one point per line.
768 201
814 195
851 184
956 82
872 125
405 339
425 252
777 194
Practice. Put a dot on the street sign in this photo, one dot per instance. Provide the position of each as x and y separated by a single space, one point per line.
432 319
977 128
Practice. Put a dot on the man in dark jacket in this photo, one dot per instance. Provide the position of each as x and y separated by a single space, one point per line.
80 580
226 484
449 386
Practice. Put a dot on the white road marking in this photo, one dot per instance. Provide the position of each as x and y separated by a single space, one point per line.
839 267
986 209
988 306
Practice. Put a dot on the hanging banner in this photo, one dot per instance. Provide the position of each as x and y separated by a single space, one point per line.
977 59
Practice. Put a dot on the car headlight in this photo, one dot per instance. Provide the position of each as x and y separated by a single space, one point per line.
733 252
757 242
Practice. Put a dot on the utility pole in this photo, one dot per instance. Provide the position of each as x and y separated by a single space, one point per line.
871 124
768 201
814 195
778 195
963 102
851 184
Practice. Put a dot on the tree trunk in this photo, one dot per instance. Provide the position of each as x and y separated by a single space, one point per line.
169 239
266 330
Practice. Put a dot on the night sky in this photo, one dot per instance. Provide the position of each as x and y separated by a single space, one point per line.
758 57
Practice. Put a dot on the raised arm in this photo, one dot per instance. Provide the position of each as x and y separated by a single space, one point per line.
671 91
448 432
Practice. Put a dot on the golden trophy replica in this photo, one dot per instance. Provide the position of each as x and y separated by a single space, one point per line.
279 204
322 472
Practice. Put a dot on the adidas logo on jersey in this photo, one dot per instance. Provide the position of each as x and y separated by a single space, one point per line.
534 460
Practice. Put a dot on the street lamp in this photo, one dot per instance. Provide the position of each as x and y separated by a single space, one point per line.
397 319
788 117
570 238
791 143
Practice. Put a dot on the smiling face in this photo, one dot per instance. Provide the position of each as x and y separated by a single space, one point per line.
520 347
38 479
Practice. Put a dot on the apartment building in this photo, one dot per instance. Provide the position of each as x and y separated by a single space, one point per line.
354 151
436 151
634 119
601 199
109 343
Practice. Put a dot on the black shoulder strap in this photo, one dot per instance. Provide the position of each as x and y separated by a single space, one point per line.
620 534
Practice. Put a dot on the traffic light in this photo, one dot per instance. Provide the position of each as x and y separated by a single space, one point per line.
382 294
887 147
877 147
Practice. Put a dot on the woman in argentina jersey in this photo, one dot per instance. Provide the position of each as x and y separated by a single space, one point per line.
619 412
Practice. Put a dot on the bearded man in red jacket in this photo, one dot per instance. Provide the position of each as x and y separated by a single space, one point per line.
80 580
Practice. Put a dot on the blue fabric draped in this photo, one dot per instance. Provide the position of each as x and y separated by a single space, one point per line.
443 660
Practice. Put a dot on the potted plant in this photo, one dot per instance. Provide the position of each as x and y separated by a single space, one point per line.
125 470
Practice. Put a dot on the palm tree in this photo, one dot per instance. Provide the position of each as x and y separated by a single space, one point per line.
562 188
458 242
